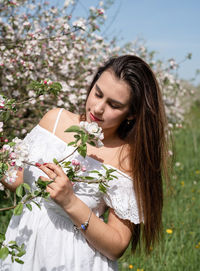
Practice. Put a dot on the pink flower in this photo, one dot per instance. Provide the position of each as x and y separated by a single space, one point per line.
45 82
75 162
12 155
83 168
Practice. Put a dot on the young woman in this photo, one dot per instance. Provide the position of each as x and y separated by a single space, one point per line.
125 100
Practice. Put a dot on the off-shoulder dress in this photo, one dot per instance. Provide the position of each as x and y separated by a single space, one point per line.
48 234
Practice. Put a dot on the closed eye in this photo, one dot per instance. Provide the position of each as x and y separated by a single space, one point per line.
114 106
98 95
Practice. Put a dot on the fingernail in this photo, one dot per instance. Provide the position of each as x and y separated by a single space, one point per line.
38 164
45 164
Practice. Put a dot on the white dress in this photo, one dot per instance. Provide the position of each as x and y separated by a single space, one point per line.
48 233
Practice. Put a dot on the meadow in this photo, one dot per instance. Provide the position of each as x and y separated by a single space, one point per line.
179 249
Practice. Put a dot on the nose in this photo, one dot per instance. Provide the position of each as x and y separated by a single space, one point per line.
99 108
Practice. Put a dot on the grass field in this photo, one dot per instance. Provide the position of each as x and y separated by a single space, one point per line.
180 246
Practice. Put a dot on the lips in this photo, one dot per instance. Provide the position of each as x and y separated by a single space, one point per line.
93 118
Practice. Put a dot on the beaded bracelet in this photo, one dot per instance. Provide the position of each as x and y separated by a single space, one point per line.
84 225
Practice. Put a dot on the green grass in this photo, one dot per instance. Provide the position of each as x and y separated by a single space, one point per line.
180 250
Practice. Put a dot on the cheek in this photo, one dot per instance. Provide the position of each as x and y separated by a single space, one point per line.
116 116
90 100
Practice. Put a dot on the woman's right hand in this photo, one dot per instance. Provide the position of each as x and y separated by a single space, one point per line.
61 189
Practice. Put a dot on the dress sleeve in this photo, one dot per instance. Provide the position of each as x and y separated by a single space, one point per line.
120 196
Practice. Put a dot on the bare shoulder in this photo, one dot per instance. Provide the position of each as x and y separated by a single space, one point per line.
49 119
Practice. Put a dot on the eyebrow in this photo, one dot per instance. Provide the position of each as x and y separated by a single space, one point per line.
112 100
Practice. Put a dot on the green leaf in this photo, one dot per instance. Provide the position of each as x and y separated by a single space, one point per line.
104 167
71 143
28 205
94 171
26 186
102 188
66 164
12 243
82 150
2 237
88 178
11 144
37 193
84 138
20 191
74 129
21 253
6 116
45 195
55 161
42 184
18 209
92 143
37 204
105 184
4 251
114 176
111 170
19 261
28 197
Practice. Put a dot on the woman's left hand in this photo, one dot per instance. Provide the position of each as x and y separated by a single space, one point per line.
61 189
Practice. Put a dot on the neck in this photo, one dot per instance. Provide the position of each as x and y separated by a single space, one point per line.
111 139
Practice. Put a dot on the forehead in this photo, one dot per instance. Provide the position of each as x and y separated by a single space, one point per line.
114 87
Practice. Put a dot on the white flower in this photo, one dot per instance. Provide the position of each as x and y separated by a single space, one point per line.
99 144
6 147
68 2
9 77
60 103
11 175
80 23
72 98
16 93
31 93
1 126
2 101
92 128
18 153
1 186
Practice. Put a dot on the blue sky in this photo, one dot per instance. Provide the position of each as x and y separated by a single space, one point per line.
169 27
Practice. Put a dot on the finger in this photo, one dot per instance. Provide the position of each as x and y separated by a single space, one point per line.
56 169
49 172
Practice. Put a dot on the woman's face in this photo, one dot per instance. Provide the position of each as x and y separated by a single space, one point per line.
108 102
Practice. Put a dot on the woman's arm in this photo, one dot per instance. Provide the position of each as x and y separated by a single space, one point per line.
110 239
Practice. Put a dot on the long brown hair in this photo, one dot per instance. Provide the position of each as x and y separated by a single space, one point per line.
146 137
